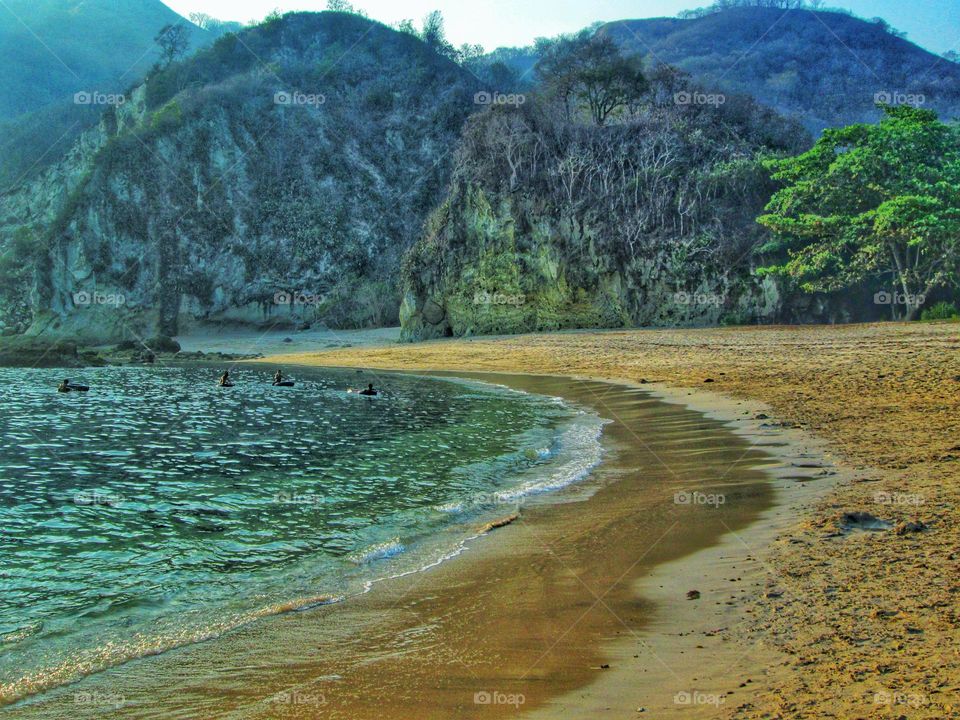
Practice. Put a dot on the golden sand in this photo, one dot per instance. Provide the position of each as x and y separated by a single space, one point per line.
863 623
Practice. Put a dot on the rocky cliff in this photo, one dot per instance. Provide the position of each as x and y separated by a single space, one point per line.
551 223
275 178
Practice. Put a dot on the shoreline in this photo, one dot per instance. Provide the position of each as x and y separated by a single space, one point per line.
482 587
836 620
677 628
866 624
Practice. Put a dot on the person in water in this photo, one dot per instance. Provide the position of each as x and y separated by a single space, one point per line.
225 379
369 391
64 386
278 378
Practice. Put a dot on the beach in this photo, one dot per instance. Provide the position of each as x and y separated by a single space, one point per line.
854 594
539 606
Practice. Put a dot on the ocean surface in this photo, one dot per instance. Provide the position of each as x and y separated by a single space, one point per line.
159 510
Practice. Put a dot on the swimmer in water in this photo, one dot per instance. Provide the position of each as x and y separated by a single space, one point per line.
370 392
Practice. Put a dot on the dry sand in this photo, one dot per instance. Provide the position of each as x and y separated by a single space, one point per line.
841 621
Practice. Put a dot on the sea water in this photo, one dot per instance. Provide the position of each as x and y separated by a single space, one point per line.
159 510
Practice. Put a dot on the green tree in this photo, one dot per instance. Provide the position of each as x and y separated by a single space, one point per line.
869 201
589 71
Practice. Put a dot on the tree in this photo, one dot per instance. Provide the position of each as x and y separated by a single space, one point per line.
201 20
590 70
173 41
434 35
872 200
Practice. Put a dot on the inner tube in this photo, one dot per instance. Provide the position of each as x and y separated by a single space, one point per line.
225 384
77 388
284 383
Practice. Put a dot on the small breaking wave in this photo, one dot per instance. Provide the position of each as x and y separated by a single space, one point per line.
380 551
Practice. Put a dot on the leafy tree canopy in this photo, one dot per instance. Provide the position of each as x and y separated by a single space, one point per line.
872 200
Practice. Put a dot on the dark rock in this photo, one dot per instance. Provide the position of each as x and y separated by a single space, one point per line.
433 312
163 344
693 595
910 527
858 520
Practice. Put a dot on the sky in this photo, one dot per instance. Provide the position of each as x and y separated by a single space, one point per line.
934 24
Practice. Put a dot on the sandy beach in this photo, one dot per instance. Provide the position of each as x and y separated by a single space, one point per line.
567 604
849 606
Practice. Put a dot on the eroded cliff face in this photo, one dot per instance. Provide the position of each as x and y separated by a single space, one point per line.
550 224
275 179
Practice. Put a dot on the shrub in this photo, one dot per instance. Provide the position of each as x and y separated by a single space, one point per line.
940 311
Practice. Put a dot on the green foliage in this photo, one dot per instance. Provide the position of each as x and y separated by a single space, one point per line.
872 200
940 311
169 117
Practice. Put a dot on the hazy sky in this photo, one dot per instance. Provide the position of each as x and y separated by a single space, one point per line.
934 24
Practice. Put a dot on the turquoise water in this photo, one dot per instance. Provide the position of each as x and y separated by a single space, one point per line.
159 510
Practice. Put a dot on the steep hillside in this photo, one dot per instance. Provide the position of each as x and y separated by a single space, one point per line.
554 223
274 178
824 68
51 49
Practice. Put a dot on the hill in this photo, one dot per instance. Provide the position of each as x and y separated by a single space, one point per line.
274 178
824 68
553 221
51 49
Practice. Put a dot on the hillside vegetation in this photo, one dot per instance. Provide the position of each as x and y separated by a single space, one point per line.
557 218
53 49
824 68
275 178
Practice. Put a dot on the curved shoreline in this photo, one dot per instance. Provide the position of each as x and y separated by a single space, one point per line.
482 591
869 625
735 662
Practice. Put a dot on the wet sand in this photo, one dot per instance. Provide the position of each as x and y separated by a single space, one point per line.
855 623
534 617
